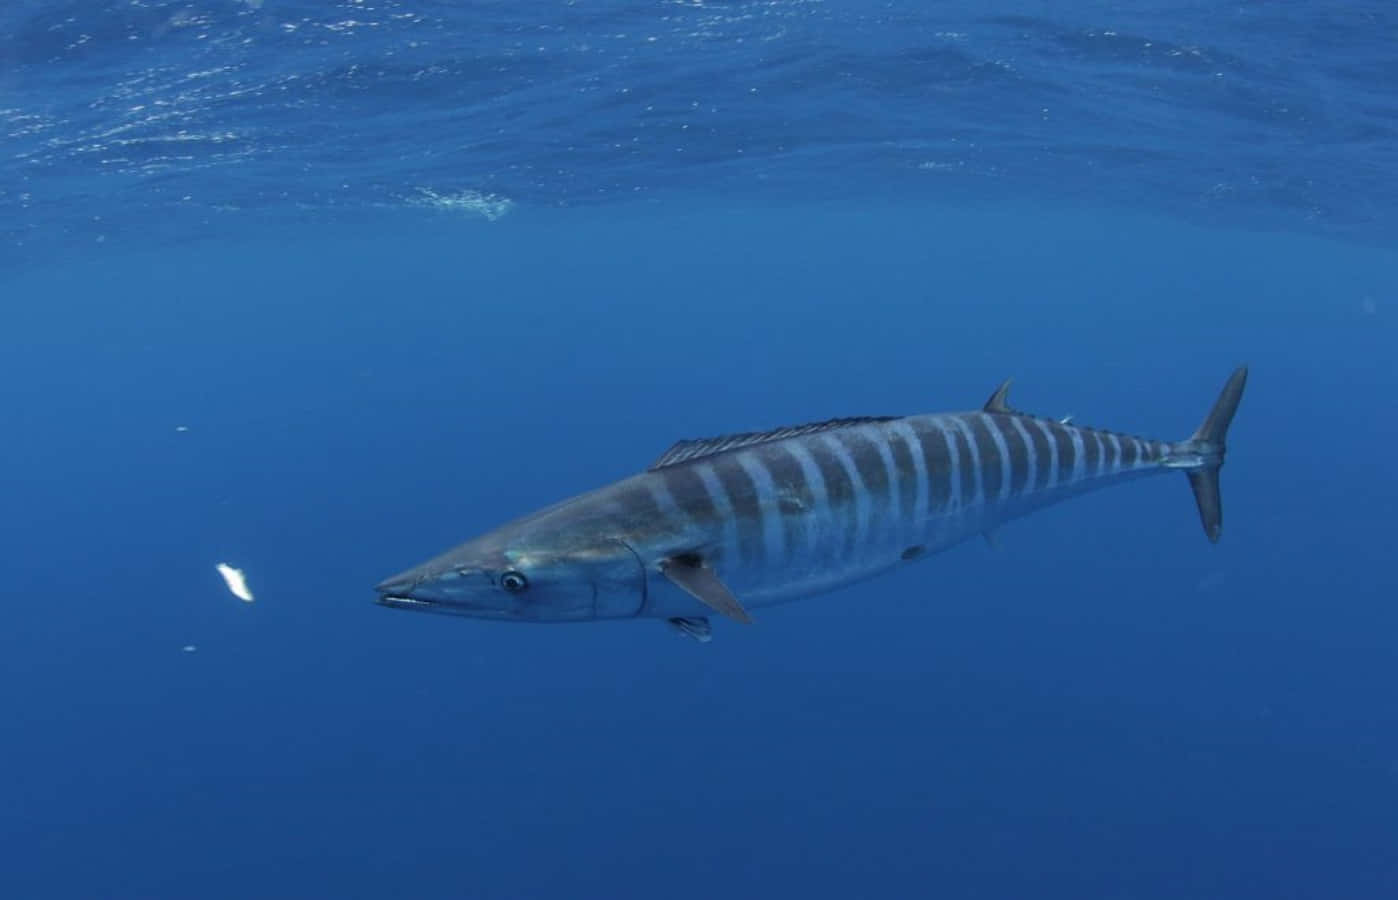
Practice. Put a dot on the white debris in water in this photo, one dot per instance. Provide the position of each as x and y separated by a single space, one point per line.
236 581
182 428
189 648
490 206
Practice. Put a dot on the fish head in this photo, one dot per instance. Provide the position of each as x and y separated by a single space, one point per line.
525 575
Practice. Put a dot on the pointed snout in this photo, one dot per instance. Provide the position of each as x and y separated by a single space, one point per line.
429 583
401 583
407 590
414 584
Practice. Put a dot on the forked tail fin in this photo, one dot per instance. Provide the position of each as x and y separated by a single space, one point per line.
1205 449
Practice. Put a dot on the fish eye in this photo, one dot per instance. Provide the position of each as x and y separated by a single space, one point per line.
513 581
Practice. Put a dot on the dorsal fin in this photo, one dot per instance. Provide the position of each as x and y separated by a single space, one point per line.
999 401
684 451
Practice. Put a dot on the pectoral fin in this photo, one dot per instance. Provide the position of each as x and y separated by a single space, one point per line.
700 582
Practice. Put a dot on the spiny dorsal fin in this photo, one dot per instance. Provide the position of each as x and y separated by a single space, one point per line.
684 451
999 401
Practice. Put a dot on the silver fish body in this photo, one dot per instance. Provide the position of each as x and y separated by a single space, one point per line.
747 521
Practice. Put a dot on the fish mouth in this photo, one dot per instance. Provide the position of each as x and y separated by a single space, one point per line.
416 590
444 607
401 592
410 590
400 601
398 593
473 593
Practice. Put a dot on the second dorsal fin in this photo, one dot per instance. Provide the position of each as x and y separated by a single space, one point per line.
999 401
684 451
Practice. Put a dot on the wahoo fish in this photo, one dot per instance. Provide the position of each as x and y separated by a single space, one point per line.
730 524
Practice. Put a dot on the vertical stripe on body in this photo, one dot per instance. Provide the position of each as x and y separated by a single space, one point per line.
818 518
970 461
912 479
1076 435
1002 449
1113 452
1130 452
728 522
839 492
1070 452
768 509
745 503
868 452
794 496
1050 454
673 518
858 494
688 489
633 503
1091 452
892 519
939 456
1024 463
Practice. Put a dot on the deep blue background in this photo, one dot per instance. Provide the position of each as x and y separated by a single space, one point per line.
1107 706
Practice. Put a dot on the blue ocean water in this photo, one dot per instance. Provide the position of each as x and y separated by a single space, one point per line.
320 289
